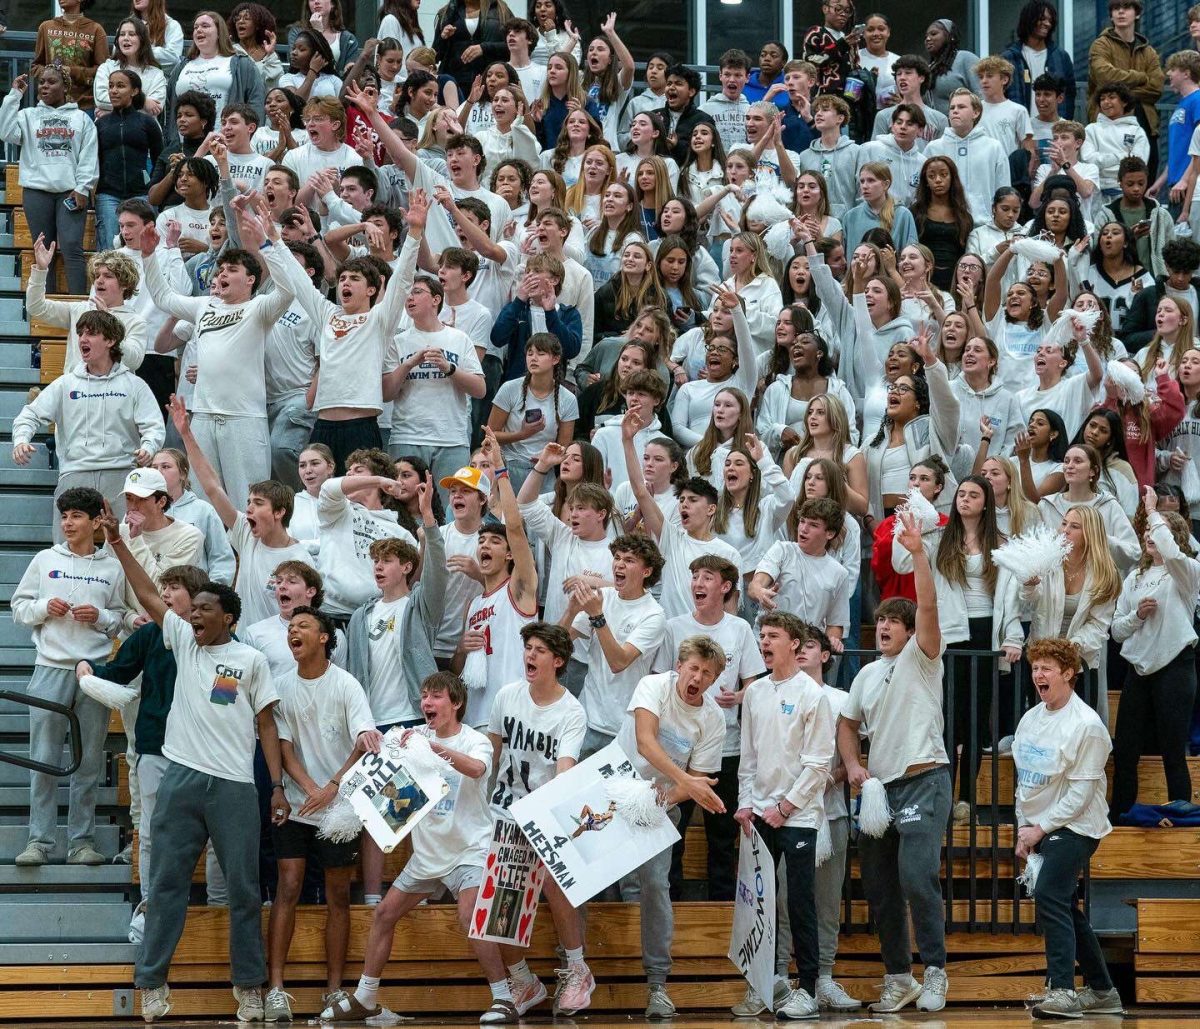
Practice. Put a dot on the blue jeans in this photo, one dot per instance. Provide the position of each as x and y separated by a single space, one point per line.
106 219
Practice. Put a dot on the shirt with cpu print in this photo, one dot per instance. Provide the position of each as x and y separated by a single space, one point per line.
219 691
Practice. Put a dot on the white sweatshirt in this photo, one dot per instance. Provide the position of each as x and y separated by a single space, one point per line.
1108 140
982 165
96 580
102 420
58 145
787 748
66 313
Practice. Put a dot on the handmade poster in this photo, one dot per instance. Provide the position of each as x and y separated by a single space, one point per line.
393 790
581 832
752 942
512 883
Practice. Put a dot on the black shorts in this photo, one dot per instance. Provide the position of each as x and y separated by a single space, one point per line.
298 840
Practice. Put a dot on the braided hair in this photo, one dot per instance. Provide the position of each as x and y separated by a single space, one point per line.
545 343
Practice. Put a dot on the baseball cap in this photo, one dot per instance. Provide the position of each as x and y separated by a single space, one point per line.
472 478
145 482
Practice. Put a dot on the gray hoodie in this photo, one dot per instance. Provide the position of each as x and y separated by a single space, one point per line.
905 166
839 166
58 145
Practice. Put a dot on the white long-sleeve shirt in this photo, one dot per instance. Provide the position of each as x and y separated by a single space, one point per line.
65 313
787 748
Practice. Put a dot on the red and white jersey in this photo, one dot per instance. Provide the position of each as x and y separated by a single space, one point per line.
497 616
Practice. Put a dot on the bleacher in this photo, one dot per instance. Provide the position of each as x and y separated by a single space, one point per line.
64 952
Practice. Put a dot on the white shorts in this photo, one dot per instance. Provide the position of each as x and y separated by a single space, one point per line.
459 878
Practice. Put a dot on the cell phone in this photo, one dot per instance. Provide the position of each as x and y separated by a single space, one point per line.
683 312
859 29
1144 221
533 416
70 204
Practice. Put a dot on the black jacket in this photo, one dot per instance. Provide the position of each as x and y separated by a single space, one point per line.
129 142
488 35
1138 327
688 120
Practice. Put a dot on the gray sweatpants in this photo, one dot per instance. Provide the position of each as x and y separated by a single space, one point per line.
109 483
190 808
47 734
290 422
443 461
658 917
49 217
901 871
239 449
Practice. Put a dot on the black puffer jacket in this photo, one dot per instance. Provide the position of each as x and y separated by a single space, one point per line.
130 142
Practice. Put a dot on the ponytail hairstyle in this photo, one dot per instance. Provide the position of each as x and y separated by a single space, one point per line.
545 343
887 212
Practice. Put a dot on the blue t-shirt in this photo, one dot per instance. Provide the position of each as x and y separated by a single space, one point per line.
754 91
1179 135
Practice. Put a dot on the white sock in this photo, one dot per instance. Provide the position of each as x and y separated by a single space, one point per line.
367 993
574 955
520 972
824 979
500 990
371 899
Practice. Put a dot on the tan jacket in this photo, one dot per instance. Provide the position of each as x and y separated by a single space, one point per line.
1135 65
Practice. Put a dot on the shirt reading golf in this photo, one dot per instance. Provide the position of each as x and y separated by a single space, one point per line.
1060 758
692 736
321 718
388 694
533 739
458 831
899 703
218 694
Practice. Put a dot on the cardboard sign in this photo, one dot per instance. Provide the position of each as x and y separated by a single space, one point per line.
393 790
575 829
752 942
512 883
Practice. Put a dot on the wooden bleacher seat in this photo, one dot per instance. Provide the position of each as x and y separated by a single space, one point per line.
1166 960
23 238
41 329
13 194
59 282
54 357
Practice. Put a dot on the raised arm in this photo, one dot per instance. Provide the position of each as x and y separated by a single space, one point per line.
621 53
929 631
991 290
405 159
206 475
477 239
652 516
143 587
524 581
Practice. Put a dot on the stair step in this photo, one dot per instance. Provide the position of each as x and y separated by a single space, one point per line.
13 354
13 634
66 875
22 510
17 796
15 838
34 474
65 922
123 953
40 460
12 399
17 659
11 775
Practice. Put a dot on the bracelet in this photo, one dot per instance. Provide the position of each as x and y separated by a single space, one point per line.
276 786
598 621
540 471
499 473
313 238
779 808
266 244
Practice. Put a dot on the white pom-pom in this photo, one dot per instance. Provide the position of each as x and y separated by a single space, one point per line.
778 240
766 210
1062 332
1035 553
1126 381
340 822
474 670
824 842
1034 248
921 509
419 757
110 694
637 802
874 815
1028 878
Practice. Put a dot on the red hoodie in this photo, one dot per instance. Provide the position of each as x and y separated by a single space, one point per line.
891 583
1166 412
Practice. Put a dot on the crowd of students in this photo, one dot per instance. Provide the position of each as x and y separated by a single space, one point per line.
665 380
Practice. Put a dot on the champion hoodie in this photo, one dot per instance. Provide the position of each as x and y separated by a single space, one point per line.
982 165
57 572
58 145
101 420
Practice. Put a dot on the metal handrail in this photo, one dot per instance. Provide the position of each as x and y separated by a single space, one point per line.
75 742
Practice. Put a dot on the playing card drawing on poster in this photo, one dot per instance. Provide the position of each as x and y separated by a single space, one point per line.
752 942
577 831
512 883
393 790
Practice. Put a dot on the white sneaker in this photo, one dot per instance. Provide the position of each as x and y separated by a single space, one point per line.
137 924
1006 744
277 1007
156 1003
250 1003
898 992
831 996
933 992
798 1006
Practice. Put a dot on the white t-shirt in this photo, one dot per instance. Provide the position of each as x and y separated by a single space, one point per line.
532 77
249 168
266 139
1055 751
815 589
1071 398
193 223
257 562
472 318
533 740
440 230
493 283
211 76
679 550
898 701
692 735
835 792
307 160
323 85
458 831
1007 122
638 623
219 692
321 718
570 555
387 690
508 398
460 590
742 661
269 638
432 409
626 503
497 616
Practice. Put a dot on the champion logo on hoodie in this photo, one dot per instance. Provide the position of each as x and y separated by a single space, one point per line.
58 573
79 394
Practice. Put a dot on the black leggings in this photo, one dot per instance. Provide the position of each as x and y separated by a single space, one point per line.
971 733
1153 707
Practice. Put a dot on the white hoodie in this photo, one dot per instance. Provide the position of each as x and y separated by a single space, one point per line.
101 420
66 314
982 165
96 580
905 165
1108 140
58 145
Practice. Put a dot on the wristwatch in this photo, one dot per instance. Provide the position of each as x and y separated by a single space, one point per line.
597 621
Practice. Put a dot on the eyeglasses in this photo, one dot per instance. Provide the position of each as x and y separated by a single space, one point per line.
712 348
900 387
423 292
